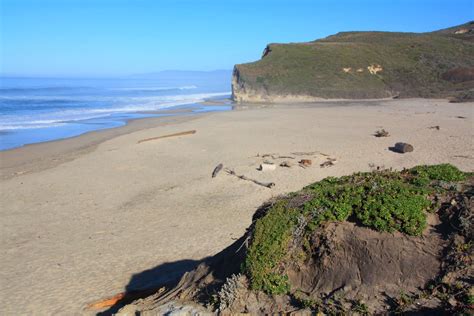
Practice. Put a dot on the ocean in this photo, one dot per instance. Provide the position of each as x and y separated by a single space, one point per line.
34 110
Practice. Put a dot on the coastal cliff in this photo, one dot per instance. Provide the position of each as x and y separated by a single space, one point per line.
362 65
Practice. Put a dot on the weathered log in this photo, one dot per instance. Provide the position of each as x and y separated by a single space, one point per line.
166 136
242 177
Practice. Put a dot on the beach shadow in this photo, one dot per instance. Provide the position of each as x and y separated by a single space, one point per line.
394 150
221 265
148 282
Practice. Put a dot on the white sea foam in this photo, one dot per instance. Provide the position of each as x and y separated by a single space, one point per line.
121 105
156 88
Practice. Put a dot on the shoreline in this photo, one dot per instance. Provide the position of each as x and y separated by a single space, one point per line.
44 155
97 214
48 154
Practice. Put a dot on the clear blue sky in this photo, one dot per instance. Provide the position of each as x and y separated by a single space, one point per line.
116 37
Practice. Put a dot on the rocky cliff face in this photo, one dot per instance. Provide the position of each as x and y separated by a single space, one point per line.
244 92
361 65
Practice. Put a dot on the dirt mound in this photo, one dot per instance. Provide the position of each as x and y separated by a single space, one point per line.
360 263
340 266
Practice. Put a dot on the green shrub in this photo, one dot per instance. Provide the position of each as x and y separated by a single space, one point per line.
442 172
383 200
269 246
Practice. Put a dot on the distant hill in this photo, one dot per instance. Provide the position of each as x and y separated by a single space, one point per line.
360 65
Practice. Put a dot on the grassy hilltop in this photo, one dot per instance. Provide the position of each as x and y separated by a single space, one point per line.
362 65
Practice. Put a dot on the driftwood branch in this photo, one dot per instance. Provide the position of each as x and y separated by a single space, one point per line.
246 243
166 136
242 177
275 156
309 153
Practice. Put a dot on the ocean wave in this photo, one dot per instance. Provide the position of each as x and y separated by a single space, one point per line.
128 105
30 126
40 89
151 89
92 98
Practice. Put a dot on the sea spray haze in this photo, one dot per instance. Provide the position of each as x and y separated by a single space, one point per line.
42 109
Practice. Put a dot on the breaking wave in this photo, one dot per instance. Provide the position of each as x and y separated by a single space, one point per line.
42 119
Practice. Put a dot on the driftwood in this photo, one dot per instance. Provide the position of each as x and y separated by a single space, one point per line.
217 169
275 156
166 136
305 163
305 153
285 164
434 127
463 156
330 162
242 177
325 164
381 133
309 153
106 302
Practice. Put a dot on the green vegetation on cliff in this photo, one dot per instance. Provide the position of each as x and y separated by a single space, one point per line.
383 200
362 65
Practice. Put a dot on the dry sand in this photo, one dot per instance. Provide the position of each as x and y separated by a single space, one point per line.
81 216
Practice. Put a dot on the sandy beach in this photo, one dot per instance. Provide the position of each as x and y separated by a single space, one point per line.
82 216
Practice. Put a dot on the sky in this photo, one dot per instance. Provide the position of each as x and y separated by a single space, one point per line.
121 37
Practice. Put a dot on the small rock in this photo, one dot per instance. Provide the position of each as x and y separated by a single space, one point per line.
402 148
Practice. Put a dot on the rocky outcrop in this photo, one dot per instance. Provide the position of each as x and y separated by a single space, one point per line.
244 92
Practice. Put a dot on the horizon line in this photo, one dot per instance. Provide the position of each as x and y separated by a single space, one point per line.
105 76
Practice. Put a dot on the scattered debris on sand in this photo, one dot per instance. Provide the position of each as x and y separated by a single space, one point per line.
275 156
242 177
375 167
267 166
328 163
217 169
304 163
308 153
381 133
285 164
